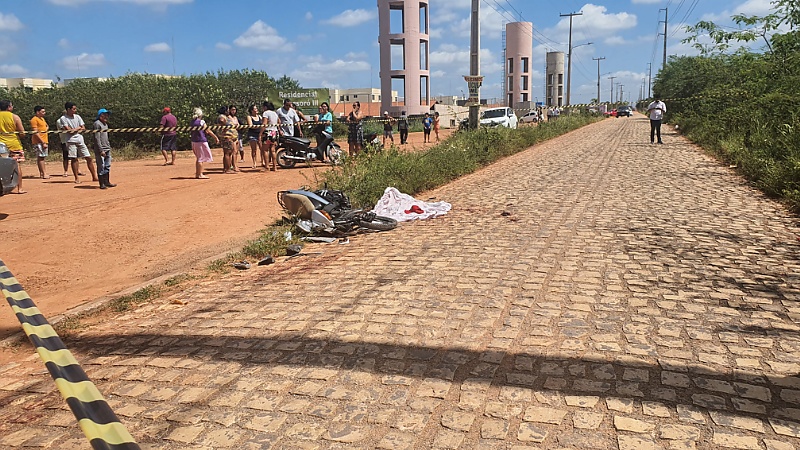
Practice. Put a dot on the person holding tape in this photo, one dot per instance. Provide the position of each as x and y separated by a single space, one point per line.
10 145
73 125
39 139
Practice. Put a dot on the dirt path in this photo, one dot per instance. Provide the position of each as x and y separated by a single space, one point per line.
70 244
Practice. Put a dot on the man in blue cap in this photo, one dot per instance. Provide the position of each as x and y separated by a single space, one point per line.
102 148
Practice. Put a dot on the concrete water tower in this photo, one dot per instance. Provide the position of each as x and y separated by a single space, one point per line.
519 54
405 50
554 79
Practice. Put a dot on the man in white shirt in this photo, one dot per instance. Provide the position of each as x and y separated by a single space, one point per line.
288 117
73 125
656 111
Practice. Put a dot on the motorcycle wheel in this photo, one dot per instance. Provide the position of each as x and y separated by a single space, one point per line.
334 154
379 223
283 161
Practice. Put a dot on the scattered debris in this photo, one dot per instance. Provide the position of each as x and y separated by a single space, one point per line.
266 260
241 265
177 301
293 249
322 239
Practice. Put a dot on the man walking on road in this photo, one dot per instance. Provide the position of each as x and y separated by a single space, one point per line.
656 111
73 124
169 139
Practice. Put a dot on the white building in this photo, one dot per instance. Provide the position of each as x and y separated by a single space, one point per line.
33 84
363 95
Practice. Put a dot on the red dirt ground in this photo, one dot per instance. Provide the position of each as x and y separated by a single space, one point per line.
70 244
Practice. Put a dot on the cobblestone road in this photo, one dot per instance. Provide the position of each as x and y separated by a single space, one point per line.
593 292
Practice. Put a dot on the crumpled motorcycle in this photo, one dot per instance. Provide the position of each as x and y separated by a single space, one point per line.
330 212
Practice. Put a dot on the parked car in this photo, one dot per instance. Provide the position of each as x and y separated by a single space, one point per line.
612 113
626 111
499 117
531 117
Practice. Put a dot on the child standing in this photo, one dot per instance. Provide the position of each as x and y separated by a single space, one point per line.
427 123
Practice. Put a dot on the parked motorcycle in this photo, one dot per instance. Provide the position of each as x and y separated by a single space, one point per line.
293 149
329 211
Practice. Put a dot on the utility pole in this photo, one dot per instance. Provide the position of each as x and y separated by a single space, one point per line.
666 13
475 63
611 99
649 79
569 55
598 77
621 96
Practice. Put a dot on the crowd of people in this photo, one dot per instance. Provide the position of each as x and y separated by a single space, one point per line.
73 145
261 135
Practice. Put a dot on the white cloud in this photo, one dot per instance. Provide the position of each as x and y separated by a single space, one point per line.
13 70
451 11
755 7
222 46
317 69
351 18
354 55
452 59
261 36
9 22
309 16
63 43
748 8
492 24
158 47
84 61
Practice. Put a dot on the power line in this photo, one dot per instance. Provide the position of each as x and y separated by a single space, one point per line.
515 10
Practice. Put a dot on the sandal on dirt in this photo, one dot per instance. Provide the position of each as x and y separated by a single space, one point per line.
242 265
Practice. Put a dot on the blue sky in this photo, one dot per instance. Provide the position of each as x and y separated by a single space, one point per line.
334 43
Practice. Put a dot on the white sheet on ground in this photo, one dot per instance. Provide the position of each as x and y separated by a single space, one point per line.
394 204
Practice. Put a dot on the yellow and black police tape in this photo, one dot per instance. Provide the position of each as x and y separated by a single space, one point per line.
95 417
370 120
189 128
